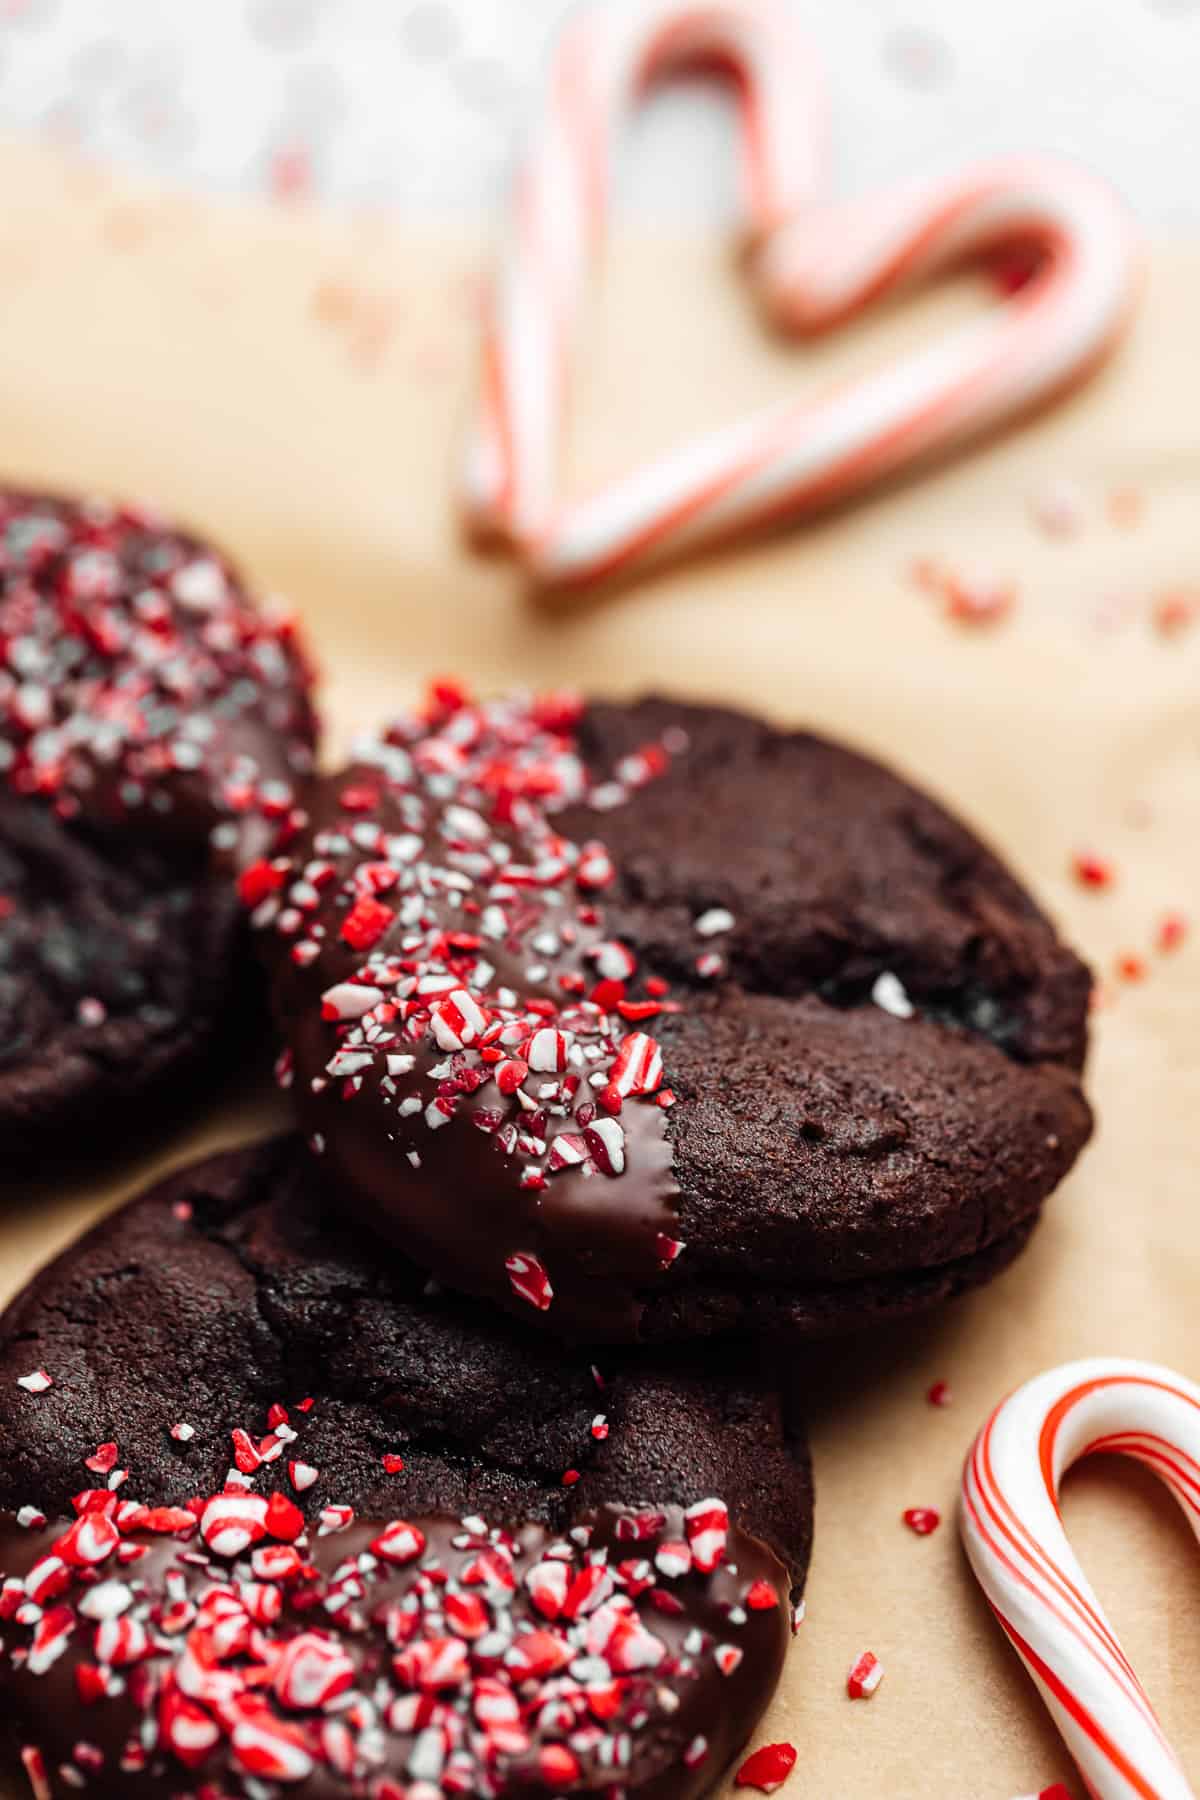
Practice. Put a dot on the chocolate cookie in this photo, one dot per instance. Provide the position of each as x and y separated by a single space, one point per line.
448 1558
145 706
651 1021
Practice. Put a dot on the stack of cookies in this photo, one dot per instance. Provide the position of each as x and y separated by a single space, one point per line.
445 1447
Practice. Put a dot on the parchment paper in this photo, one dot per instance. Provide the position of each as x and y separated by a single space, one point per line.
294 385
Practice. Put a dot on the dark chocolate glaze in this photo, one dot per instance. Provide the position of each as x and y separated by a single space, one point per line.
718 1709
230 1288
824 1161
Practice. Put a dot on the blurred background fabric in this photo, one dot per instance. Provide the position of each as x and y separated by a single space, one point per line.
413 104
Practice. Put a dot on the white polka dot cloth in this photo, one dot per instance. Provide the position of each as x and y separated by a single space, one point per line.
413 103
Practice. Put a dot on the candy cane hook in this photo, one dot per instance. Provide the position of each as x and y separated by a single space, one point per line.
606 59
1014 1536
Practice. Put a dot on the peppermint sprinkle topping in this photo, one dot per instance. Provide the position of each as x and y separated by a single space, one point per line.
471 981
132 661
714 921
420 1657
889 994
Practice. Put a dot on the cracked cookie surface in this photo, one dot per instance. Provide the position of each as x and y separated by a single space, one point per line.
116 969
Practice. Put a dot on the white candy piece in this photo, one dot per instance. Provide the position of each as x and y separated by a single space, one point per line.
890 996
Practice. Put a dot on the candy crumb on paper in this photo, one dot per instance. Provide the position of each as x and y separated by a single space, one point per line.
767 1769
865 1676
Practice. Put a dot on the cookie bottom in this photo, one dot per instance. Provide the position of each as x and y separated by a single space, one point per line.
831 1309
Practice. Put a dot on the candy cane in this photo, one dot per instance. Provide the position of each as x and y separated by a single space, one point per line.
605 60
1015 1539
813 265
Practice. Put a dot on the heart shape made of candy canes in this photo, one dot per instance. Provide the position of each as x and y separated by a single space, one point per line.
814 265
1014 1536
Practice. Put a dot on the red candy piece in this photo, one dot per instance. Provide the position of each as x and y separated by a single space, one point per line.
91 1539
311 1672
366 923
638 1068
259 881
595 868
767 1769
1093 871
922 1519
167 1520
361 799
232 1522
865 1676
558 1766
761 1597
189 1732
265 1746
1172 931
529 1280
283 1519
399 1543
707 1527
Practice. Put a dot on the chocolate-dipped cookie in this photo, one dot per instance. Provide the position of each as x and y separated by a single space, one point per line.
341 1536
650 1020
147 707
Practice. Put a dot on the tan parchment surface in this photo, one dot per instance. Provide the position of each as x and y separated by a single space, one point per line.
294 385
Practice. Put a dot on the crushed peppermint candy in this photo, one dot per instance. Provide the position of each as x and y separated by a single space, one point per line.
136 676
1172 930
978 597
890 995
1093 871
250 1650
530 1281
922 1520
35 1383
1176 611
713 922
865 1676
471 980
767 1769
968 596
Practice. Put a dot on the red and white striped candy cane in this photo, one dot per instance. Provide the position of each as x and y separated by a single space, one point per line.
604 61
814 265
1015 1539
806 453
